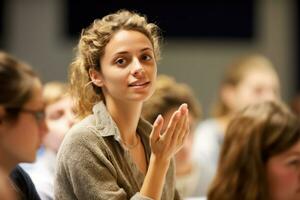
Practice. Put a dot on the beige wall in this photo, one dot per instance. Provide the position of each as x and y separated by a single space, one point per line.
34 32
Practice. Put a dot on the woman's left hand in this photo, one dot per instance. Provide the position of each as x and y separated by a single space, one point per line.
165 145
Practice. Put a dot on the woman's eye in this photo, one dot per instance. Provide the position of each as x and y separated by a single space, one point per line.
120 61
146 57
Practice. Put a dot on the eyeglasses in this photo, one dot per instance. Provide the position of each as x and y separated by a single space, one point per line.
39 115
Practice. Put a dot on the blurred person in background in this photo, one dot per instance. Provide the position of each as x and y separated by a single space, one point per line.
250 79
191 179
22 122
260 157
59 118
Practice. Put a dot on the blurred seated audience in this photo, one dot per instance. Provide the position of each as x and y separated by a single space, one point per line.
248 80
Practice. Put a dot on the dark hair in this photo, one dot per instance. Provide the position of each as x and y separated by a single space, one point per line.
16 82
257 133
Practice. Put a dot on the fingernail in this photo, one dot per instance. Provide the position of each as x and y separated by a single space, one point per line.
158 119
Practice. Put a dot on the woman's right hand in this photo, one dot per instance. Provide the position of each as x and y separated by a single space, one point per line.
165 145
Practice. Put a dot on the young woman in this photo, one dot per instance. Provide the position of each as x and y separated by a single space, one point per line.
260 157
113 153
22 123
249 79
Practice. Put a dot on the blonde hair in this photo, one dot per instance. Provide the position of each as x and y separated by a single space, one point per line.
91 48
54 91
170 94
236 72
254 135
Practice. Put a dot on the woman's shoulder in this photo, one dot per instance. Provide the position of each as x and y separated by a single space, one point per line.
80 130
24 183
82 138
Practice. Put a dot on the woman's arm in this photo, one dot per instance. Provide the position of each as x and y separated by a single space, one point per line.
164 146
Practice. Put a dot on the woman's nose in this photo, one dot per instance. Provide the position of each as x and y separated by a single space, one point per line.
137 68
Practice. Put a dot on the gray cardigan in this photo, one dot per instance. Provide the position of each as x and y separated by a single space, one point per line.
93 164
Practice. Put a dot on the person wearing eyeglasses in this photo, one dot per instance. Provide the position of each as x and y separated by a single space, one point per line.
22 122
59 118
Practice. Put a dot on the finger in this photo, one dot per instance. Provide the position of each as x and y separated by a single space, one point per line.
172 133
171 126
185 132
183 108
181 124
157 126
184 129
179 129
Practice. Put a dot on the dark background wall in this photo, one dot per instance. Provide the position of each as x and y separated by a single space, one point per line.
200 39
204 19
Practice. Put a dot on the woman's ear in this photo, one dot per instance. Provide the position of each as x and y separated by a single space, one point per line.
96 77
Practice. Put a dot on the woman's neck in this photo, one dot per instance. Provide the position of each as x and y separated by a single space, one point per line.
126 117
6 165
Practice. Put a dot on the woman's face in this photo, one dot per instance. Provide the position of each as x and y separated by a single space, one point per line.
20 139
283 174
257 86
59 117
128 67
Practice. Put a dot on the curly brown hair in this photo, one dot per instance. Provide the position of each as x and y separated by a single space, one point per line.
91 48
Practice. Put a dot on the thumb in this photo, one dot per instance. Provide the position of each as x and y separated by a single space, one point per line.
157 126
